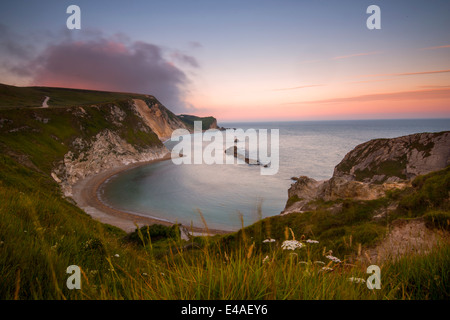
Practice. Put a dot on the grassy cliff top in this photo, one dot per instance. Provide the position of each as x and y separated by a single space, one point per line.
12 97
207 122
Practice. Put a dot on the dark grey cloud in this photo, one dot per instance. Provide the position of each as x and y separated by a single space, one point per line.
110 65
114 63
14 49
12 46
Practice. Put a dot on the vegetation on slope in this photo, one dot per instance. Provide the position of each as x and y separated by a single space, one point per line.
41 234
13 97
346 225
189 121
41 137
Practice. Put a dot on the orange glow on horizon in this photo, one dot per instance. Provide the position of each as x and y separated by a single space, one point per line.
398 105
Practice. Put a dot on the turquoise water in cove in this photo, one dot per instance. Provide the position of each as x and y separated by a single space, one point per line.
225 193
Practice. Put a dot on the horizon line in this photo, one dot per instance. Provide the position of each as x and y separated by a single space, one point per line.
316 120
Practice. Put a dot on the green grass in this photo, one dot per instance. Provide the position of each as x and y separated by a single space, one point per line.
13 97
41 234
438 219
428 192
389 168
45 143
334 230
189 121
293 199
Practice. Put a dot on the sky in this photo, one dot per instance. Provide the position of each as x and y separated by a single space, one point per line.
246 60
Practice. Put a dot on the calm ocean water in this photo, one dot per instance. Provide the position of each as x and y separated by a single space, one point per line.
224 193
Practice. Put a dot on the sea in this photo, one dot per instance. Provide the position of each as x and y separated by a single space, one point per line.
229 196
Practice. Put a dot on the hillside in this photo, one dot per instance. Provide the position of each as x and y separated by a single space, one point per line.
33 97
375 188
374 167
207 122
89 131
45 151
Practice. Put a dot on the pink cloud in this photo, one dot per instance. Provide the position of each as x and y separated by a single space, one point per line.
357 55
438 47
406 73
300 87
430 94
111 65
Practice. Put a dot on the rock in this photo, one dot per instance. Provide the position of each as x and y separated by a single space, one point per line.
117 115
40 119
406 237
401 158
107 150
234 152
374 167
383 213
4 121
55 177
214 125
158 118
305 188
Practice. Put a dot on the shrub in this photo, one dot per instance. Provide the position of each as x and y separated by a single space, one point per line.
438 219
431 192
292 200
154 233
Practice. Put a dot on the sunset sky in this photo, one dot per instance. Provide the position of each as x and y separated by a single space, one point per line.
240 60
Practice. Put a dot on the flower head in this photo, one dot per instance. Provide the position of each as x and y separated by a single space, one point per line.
269 240
333 258
326 269
291 245
312 241
356 280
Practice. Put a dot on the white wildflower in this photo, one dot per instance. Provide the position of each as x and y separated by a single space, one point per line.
269 240
144 274
333 258
291 245
326 269
312 241
116 255
357 280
